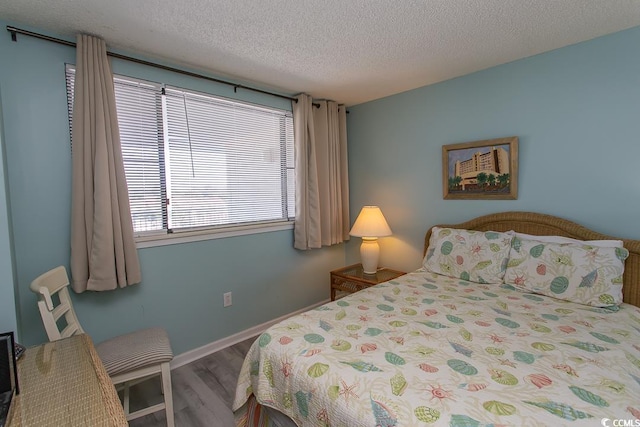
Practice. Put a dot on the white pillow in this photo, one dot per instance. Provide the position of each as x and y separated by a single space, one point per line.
561 240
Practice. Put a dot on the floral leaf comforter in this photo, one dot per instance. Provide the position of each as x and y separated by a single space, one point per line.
430 350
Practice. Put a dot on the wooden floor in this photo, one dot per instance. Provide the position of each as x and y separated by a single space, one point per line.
203 391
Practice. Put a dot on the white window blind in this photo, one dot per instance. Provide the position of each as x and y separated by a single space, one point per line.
193 160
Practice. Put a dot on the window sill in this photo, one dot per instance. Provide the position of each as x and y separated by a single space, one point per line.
153 240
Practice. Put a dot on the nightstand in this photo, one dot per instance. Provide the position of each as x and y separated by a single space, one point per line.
353 279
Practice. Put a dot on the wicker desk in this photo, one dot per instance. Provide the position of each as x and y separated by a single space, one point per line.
353 279
64 383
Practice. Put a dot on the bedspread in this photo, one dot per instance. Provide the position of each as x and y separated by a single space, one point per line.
430 350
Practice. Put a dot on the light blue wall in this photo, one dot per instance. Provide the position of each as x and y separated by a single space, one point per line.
8 313
182 284
576 111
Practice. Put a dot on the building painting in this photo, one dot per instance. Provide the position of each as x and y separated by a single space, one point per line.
495 161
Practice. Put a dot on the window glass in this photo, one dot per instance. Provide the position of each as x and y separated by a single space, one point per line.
194 160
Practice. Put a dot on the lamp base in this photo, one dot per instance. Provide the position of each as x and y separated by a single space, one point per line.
369 254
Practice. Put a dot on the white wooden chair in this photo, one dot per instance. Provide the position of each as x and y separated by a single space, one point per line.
128 359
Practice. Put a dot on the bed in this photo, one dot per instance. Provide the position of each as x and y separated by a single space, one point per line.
538 331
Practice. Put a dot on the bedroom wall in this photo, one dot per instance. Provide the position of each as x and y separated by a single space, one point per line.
8 313
576 111
182 284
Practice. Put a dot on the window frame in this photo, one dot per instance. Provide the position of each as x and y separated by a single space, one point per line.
164 236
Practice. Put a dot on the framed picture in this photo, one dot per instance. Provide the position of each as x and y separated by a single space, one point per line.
481 169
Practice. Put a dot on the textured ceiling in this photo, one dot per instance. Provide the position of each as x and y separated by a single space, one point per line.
351 51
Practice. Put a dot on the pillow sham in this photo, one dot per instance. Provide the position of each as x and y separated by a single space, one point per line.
477 256
584 274
562 239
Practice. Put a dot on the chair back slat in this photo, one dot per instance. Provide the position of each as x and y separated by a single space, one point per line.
69 331
60 311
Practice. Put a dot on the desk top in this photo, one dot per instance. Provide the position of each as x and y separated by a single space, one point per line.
64 383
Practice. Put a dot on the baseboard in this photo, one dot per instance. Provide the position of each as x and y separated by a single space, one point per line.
205 350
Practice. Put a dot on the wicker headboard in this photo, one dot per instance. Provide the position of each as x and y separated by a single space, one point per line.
548 225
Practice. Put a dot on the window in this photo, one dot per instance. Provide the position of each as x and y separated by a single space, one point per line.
197 161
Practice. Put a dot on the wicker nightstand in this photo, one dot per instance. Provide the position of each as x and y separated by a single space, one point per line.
352 279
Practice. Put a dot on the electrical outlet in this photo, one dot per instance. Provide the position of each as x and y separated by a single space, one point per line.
227 299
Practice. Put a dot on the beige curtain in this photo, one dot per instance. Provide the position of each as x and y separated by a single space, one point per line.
322 180
103 250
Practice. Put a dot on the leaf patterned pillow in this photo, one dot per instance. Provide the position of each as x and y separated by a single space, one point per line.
477 256
584 274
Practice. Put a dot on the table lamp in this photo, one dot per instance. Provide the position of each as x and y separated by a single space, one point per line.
370 225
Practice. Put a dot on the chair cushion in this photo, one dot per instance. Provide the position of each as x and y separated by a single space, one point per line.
136 350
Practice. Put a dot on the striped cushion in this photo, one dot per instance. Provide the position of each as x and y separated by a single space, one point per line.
135 350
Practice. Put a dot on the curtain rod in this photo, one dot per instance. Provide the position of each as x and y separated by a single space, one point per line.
14 31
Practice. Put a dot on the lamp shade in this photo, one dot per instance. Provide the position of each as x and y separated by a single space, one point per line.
370 223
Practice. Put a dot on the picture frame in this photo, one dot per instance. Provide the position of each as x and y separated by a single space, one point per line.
486 169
